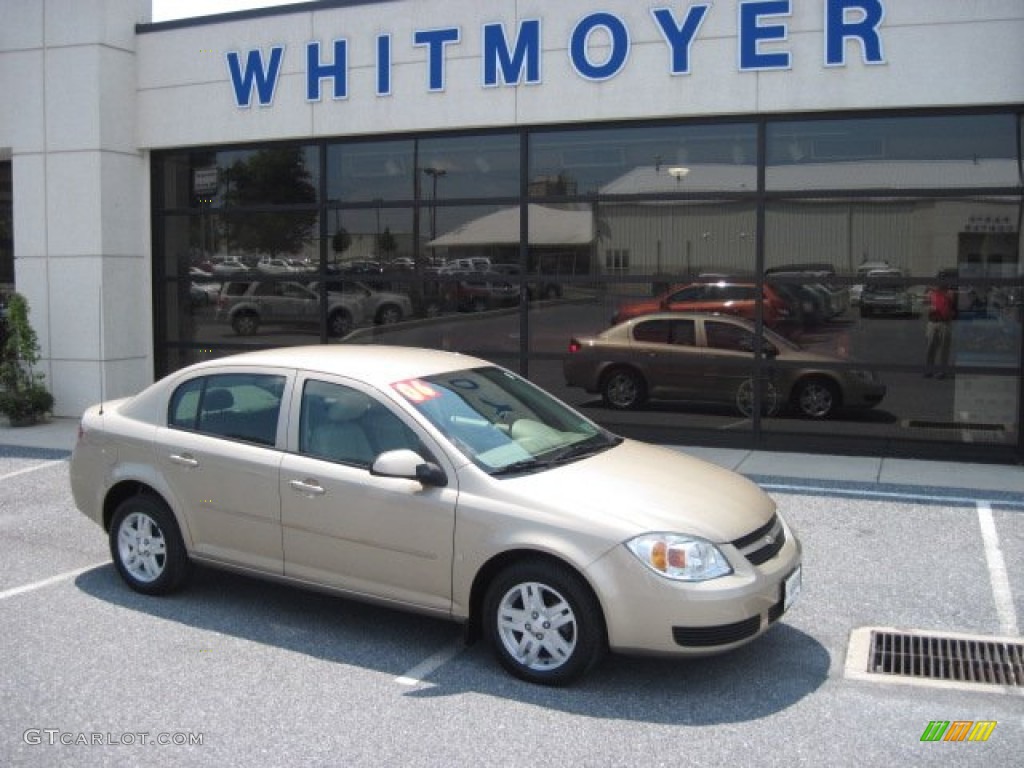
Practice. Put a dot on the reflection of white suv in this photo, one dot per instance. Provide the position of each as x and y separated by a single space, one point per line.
383 307
247 305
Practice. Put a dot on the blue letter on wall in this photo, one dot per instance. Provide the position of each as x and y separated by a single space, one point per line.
752 34
315 71
500 62
680 38
619 36
264 78
865 29
435 40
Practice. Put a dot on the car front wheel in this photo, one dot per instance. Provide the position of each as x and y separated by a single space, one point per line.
543 622
147 547
245 323
339 323
816 398
389 314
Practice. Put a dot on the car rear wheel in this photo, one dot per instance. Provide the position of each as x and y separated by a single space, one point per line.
544 623
816 398
245 323
147 547
745 398
623 389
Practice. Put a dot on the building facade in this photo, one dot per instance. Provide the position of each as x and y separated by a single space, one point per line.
505 178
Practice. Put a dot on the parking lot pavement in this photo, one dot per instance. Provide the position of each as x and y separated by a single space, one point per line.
239 672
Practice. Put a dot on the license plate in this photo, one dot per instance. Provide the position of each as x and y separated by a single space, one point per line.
791 588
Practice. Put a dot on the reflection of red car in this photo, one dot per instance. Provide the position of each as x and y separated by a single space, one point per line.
721 296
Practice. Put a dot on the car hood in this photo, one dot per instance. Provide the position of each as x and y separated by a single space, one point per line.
638 488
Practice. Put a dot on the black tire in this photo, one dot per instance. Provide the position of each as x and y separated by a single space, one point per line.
816 398
245 323
146 546
745 398
339 323
521 609
623 389
389 314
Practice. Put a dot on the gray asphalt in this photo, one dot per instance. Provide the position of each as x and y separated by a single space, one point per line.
258 674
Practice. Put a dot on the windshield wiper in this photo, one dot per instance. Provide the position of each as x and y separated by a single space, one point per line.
521 467
583 449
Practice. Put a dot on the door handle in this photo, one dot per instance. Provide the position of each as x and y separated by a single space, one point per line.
185 460
309 487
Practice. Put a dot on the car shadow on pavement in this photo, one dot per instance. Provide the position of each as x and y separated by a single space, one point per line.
771 674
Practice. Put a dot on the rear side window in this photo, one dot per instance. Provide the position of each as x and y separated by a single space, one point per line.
237 406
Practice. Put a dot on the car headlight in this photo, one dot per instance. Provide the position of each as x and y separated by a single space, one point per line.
679 557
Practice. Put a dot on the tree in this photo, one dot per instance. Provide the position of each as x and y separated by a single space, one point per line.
386 243
341 241
271 177
23 394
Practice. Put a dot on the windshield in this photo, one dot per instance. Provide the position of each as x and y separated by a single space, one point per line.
501 422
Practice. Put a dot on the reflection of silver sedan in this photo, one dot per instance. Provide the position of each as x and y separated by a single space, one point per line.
437 483
708 358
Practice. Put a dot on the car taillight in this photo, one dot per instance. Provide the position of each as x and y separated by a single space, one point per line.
574 346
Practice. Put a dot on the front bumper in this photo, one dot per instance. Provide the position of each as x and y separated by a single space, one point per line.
648 614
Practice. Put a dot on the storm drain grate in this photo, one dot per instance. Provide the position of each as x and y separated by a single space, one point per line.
957 660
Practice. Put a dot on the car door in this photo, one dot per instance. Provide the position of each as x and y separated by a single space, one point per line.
728 359
383 537
294 303
220 454
666 351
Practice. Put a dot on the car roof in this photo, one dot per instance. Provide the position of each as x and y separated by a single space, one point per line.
686 316
380 365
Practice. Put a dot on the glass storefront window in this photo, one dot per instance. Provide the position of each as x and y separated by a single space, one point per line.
663 160
271 176
471 167
866 222
893 153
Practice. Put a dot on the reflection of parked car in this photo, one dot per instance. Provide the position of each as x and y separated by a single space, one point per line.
535 289
885 293
226 267
862 272
437 483
816 278
722 296
270 266
383 307
707 358
247 305
478 291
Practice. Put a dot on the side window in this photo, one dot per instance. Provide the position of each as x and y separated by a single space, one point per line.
682 333
238 406
652 332
265 289
728 336
183 411
342 424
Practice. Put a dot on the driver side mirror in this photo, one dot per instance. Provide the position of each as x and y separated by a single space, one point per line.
409 465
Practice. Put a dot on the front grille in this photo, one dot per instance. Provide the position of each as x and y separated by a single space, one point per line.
763 544
722 634
955 659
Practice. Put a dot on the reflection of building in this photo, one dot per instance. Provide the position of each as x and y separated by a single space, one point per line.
639 162
559 240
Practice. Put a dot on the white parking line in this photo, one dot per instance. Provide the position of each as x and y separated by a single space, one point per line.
48 582
34 468
997 572
415 675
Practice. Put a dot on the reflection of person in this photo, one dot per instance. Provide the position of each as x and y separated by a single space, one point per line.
938 332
